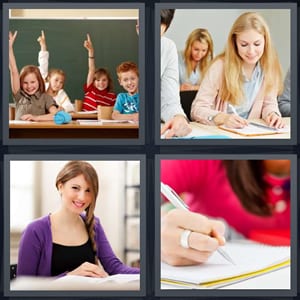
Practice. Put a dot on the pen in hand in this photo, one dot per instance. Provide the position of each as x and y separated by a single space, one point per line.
174 198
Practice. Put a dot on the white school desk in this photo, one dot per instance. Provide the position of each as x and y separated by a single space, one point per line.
279 279
199 129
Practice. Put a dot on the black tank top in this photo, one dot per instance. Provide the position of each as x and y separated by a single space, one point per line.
68 258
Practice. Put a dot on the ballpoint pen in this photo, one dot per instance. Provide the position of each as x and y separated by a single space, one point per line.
174 198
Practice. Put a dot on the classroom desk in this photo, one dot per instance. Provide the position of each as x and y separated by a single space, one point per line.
72 130
279 279
202 130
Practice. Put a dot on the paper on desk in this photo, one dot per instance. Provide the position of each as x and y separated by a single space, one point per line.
250 260
252 130
101 122
21 122
86 112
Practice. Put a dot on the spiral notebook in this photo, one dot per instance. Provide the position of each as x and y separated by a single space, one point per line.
251 259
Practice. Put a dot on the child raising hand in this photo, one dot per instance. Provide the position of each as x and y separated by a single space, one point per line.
28 89
98 89
54 78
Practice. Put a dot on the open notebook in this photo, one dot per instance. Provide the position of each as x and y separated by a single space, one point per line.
255 129
251 259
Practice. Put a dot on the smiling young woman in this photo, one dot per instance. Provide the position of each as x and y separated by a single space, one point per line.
70 241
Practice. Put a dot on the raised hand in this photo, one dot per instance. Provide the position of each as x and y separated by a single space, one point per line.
42 40
88 43
12 38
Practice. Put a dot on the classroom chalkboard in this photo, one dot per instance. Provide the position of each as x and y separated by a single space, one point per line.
114 41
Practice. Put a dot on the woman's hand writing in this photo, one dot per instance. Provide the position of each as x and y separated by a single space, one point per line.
206 236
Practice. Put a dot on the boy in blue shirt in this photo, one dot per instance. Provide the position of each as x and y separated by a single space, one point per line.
127 104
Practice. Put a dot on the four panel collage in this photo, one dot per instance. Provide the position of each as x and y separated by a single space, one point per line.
149 153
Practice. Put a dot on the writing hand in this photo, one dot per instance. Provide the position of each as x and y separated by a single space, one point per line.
206 236
235 121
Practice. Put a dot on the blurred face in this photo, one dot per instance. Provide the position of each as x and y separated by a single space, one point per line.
278 167
76 194
30 84
250 45
129 81
56 82
101 83
198 50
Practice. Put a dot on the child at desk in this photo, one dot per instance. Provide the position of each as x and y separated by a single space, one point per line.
245 195
244 81
28 89
194 59
99 86
54 78
127 104
70 241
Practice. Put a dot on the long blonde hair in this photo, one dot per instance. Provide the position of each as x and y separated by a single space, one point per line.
232 87
203 36
73 169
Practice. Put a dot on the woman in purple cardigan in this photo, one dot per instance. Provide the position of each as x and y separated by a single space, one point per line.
70 241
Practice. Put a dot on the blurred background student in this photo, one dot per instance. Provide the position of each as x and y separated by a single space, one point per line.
194 59
244 81
227 199
176 122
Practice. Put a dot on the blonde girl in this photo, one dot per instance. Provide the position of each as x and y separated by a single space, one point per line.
244 81
54 78
28 89
195 59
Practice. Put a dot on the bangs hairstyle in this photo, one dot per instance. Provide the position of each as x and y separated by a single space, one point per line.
246 178
31 69
104 72
232 90
127 66
73 169
56 71
203 36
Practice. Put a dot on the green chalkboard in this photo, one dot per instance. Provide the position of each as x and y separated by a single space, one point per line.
114 41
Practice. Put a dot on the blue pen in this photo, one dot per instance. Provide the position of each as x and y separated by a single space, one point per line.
174 198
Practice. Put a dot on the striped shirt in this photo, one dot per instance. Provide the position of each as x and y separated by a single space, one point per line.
94 97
